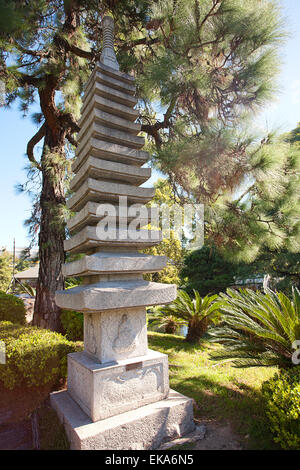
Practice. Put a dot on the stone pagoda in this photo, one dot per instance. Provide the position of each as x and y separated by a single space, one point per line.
118 394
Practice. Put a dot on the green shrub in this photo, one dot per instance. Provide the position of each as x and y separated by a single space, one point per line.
12 309
34 356
72 323
257 329
282 396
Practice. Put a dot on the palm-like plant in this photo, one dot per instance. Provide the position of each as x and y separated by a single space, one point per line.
198 313
168 323
258 329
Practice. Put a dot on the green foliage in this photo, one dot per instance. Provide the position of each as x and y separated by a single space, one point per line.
25 260
170 247
34 357
72 323
207 272
170 324
10 16
294 135
217 61
282 396
5 269
284 268
258 329
198 313
11 309
266 214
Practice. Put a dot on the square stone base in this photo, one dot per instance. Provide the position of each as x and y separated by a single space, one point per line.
105 390
141 429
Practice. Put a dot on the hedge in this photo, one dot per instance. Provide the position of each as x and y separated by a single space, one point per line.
72 323
34 356
12 309
282 396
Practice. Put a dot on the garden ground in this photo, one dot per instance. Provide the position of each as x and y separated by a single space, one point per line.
227 400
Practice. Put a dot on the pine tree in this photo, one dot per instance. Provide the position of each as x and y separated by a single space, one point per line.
207 272
265 217
198 65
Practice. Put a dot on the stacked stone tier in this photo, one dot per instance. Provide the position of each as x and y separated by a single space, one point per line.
108 166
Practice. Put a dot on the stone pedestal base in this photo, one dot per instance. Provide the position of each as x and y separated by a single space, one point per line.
141 429
105 390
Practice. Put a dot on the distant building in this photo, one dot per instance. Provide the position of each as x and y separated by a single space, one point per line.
261 281
30 275
254 283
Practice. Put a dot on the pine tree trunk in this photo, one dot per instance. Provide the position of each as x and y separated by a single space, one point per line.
52 232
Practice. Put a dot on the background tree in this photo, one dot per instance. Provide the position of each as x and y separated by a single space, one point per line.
206 271
198 66
5 269
172 248
218 61
25 260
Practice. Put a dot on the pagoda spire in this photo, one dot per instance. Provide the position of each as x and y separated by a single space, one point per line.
108 56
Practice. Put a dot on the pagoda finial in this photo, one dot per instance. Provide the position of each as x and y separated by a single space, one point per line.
108 56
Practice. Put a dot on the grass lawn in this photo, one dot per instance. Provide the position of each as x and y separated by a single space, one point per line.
222 393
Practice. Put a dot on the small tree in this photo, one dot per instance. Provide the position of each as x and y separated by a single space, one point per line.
168 323
199 313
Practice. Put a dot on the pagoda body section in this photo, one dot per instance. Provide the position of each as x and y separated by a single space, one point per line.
118 394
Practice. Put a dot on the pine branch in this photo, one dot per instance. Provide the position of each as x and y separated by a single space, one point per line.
31 52
29 80
153 129
244 194
61 42
125 46
209 14
72 140
33 142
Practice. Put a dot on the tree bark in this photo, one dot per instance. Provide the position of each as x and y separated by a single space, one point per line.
196 329
170 329
52 231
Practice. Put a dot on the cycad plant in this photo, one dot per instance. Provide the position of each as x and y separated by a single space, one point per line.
198 313
258 329
167 323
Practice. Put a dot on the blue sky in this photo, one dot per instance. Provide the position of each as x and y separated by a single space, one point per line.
283 115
